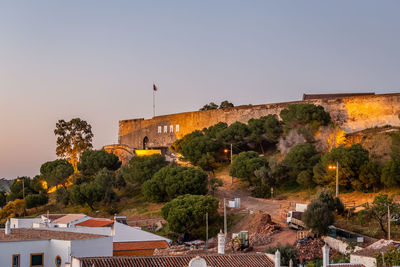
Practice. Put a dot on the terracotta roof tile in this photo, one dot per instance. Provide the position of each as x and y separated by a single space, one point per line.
139 245
96 223
23 234
216 260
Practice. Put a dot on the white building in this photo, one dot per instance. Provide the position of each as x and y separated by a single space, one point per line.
49 220
126 240
38 247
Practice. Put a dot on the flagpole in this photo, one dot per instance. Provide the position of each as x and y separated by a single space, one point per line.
154 102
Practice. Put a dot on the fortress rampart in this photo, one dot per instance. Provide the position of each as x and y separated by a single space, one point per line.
352 114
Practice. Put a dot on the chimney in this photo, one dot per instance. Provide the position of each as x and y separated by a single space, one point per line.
277 259
7 230
221 242
325 255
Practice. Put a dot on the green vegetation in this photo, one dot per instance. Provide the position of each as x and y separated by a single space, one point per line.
93 161
173 181
320 213
301 115
378 210
389 258
56 172
212 105
141 169
288 252
245 164
186 214
73 138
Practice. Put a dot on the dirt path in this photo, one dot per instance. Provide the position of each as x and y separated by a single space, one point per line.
273 207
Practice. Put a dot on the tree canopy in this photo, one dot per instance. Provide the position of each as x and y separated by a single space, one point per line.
378 210
186 214
264 131
56 172
297 115
391 173
350 161
245 164
91 161
318 217
73 138
172 181
212 105
141 169
301 158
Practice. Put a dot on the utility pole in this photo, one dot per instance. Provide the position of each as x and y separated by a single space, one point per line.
206 230
225 225
388 222
337 179
231 165
23 189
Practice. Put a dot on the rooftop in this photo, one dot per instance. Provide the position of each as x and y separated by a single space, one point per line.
216 260
96 223
139 245
68 218
379 246
24 234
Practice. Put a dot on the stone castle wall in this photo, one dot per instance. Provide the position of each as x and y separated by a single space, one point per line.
350 113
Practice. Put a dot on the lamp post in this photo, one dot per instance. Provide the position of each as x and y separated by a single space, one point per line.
230 160
23 187
332 167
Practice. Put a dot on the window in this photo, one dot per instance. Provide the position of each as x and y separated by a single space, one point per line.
171 128
37 260
159 129
58 261
165 129
177 128
16 260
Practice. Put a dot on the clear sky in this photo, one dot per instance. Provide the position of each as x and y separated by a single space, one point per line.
97 60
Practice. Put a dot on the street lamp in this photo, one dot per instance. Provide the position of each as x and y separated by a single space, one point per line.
333 167
226 152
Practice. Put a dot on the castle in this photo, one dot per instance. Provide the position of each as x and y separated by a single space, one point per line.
351 112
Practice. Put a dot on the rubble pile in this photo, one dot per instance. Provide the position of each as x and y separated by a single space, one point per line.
262 223
180 250
309 248
257 239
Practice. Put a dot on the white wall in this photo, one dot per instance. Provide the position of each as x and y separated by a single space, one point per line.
60 248
25 248
102 246
23 223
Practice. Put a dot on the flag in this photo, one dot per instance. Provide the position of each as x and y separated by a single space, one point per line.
154 87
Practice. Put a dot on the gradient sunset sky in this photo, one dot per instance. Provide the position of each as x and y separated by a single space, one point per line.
97 60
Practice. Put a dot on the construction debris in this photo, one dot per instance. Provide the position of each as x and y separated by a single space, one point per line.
309 248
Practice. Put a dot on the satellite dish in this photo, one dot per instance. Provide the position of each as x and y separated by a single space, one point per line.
197 262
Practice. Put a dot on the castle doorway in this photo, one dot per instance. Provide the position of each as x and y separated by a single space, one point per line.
145 141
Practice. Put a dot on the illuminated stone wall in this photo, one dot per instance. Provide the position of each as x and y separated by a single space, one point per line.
350 113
